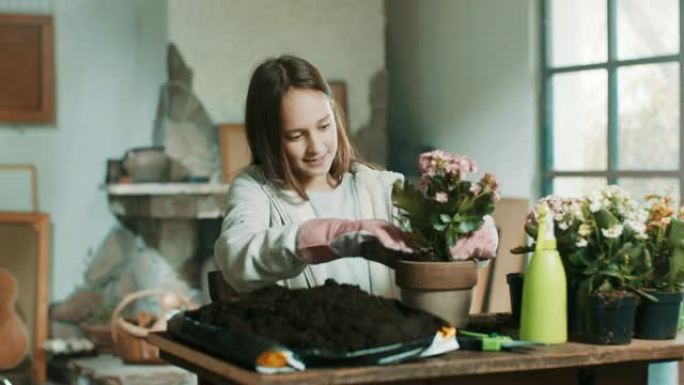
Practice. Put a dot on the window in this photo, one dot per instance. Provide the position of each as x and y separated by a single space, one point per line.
612 76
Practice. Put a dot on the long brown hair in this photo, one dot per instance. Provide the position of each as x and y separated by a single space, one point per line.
269 83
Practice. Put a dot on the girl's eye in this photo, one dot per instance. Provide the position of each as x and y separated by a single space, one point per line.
294 137
325 126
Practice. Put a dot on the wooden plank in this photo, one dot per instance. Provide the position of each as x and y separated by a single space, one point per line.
564 376
490 295
458 363
510 216
234 149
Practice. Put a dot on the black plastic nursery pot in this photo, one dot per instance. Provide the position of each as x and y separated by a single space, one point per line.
658 320
607 319
515 288
574 324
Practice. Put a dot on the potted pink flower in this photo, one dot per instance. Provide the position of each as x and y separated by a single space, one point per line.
447 219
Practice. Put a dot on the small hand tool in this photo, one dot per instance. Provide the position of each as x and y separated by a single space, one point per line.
492 342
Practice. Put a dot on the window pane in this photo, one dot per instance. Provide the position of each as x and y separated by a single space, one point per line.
578 32
647 28
648 115
580 120
640 187
577 186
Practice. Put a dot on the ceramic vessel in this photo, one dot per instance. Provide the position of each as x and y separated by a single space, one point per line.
441 288
146 164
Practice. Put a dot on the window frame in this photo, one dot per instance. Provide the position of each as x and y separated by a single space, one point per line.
611 173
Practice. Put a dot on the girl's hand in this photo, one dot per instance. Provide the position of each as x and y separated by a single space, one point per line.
322 240
481 244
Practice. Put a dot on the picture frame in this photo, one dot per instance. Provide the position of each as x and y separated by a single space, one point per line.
26 68
15 181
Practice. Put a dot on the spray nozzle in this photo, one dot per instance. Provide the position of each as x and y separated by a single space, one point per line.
546 240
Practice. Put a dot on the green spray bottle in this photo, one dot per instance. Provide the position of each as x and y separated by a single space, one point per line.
543 316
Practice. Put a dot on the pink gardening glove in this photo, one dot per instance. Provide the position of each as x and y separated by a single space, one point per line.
481 244
322 240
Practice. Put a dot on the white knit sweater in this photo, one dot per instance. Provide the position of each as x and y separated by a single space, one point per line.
257 245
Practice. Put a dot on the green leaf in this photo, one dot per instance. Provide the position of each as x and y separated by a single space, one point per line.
646 295
677 259
522 249
445 218
451 236
605 219
606 286
590 270
468 226
439 226
612 273
531 230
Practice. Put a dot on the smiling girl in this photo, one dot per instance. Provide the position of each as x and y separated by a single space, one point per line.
307 201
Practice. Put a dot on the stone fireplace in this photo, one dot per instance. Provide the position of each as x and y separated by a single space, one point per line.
167 226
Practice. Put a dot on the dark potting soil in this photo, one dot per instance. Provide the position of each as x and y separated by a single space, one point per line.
612 297
334 317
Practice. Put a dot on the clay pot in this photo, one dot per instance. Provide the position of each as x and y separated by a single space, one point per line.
441 288
146 164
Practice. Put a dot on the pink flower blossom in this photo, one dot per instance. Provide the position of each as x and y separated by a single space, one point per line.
428 162
489 181
440 163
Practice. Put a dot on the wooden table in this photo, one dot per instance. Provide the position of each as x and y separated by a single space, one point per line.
106 369
570 363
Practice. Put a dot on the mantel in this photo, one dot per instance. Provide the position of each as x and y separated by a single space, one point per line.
168 200
167 188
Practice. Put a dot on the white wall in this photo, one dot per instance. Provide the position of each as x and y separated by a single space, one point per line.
462 78
224 41
109 64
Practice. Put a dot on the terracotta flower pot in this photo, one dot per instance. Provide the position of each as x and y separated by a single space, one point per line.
441 288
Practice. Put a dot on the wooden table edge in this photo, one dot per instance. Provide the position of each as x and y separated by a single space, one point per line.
449 365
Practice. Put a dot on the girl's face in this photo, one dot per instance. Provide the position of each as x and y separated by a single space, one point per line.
309 136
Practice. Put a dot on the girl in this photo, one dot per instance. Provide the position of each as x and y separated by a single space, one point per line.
306 201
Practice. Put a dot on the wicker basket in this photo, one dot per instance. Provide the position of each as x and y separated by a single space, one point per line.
101 336
130 341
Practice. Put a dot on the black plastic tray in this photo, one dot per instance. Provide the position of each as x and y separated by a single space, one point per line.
243 348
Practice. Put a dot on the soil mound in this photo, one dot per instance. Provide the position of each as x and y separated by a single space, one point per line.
334 317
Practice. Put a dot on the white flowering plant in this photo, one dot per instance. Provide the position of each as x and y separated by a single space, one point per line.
601 239
444 208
